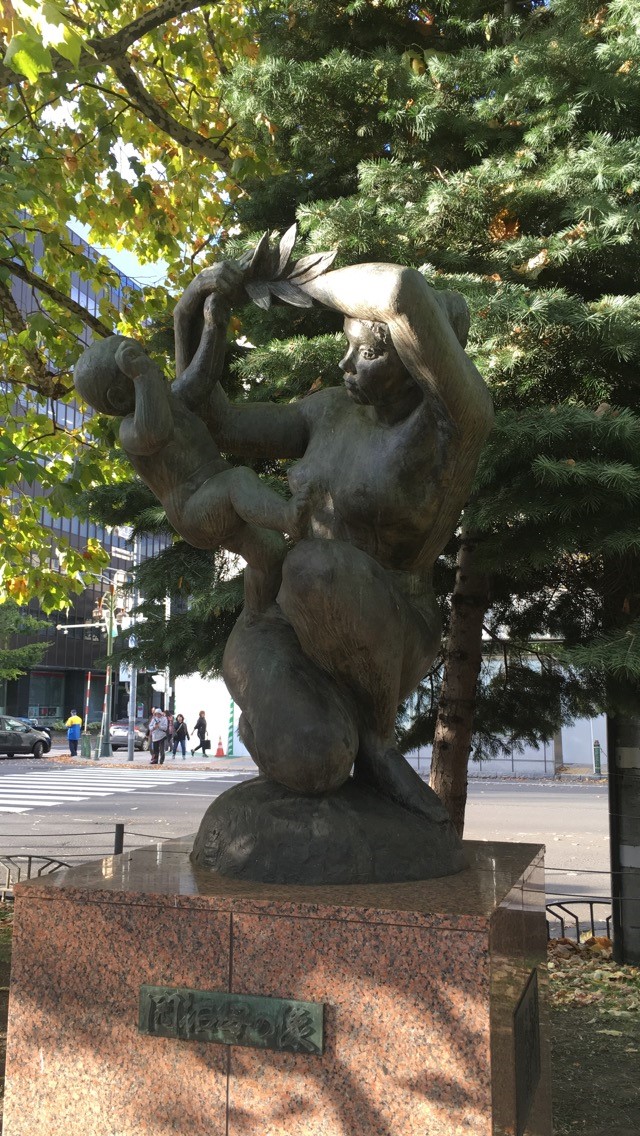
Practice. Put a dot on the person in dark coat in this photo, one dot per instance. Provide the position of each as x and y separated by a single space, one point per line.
200 729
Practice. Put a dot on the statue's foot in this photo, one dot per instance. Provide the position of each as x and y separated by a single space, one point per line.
388 772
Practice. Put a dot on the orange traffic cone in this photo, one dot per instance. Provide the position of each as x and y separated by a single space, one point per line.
219 752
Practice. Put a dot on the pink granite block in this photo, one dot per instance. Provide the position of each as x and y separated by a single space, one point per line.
77 1065
420 984
406 1027
152 876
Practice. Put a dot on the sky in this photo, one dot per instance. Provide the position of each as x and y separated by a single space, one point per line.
124 261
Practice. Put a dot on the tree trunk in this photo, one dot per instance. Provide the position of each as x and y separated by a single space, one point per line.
621 608
463 657
623 756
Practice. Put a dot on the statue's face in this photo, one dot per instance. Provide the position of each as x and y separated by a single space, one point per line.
99 380
121 394
374 374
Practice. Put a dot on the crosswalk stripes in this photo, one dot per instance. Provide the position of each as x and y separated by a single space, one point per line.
22 792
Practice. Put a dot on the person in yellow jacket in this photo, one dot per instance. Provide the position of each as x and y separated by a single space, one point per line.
74 726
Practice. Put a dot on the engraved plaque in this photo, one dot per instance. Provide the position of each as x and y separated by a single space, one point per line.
526 1034
232 1019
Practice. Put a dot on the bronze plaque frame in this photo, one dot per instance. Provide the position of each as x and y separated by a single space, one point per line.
232 1019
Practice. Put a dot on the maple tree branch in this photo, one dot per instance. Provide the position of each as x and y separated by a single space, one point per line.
46 383
224 70
183 135
108 48
24 273
111 50
118 43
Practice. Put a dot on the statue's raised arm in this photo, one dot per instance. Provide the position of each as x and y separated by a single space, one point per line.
428 329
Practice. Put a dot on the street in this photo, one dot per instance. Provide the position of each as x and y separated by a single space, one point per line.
70 812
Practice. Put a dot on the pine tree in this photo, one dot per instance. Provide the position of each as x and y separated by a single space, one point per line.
16 659
495 147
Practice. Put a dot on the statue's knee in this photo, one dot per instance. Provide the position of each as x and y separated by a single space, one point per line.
310 757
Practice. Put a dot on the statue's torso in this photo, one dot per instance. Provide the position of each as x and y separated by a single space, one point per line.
378 486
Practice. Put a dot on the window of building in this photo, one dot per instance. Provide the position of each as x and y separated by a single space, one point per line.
46 692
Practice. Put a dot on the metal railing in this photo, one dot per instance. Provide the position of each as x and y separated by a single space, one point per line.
564 912
17 868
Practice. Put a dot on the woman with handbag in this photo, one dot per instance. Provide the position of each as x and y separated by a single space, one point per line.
200 729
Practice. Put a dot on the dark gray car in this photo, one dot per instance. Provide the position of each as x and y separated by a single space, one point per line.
18 737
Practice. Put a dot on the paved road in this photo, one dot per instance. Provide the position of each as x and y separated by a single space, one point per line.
70 813
571 819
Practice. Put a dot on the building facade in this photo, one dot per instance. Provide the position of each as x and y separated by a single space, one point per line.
74 661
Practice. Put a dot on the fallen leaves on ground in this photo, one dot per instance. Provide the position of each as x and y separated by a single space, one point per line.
584 974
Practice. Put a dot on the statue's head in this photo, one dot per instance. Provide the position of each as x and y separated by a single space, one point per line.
99 380
374 373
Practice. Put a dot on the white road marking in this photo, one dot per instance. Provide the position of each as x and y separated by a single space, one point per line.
22 792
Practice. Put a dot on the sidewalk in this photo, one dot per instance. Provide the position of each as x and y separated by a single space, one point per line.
141 760
244 764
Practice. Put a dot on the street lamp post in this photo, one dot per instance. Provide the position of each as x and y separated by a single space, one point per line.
105 616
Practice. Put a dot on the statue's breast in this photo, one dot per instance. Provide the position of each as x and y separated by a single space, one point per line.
374 485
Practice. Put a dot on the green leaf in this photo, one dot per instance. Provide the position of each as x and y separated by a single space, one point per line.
57 33
28 56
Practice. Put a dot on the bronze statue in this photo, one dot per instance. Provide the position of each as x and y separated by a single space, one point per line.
382 468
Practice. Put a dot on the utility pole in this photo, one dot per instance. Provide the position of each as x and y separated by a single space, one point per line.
133 674
106 620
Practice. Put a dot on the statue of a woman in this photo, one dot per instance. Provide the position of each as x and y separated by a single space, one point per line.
387 462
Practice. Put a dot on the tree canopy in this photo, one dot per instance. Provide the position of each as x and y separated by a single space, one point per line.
112 118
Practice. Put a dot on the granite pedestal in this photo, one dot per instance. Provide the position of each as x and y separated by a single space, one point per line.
433 994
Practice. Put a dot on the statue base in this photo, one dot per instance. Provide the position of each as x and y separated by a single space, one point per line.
432 995
263 832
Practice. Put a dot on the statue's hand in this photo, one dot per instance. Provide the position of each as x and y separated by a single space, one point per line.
217 310
131 359
301 507
223 282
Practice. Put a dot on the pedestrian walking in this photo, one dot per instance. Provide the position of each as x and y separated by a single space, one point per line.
200 729
158 726
74 726
180 736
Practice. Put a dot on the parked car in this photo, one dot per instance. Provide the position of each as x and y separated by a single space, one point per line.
35 723
119 734
17 736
